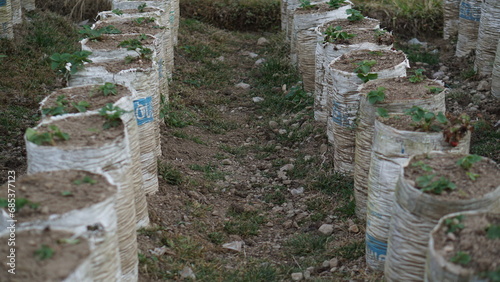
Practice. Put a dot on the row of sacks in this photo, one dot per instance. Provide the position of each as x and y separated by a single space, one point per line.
11 14
378 117
93 157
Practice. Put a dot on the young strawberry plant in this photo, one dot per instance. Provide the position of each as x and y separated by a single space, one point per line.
435 89
97 34
428 184
460 257
355 15
467 162
425 120
418 76
493 231
17 204
108 88
59 109
423 166
306 4
363 70
46 138
117 12
44 252
112 115
376 96
335 4
382 112
136 45
144 20
457 129
69 64
141 7
85 180
335 35
454 224
81 106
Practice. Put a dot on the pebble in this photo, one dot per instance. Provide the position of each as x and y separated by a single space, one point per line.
262 41
287 167
334 262
226 162
483 85
187 272
297 276
297 191
257 99
326 229
273 124
260 61
243 85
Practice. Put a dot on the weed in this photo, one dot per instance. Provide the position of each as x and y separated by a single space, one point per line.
44 252
237 151
492 275
454 224
46 138
170 174
210 171
144 20
216 237
363 69
195 139
352 251
416 53
460 257
85 180
376 96
307 244
417 76
112 115
66 193
243 223
469 73
335 35
425 120
355 15
276 197
484 141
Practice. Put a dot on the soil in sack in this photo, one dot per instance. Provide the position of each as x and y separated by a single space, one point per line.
67 100
431 186
343 97
111 42
465 247
139 25
44 255
399 94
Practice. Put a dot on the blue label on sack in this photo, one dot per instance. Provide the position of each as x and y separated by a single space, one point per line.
376 248
143 109
339 117
469 12
3 3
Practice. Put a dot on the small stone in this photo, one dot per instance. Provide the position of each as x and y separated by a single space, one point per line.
354 228
282 131
257 99
307 275
483 86
287 182
333 269
252 55
415 41
226 162
234 246
326 229
45 210
297 276
451 236
260 61
243 85
187 272
160 251
323 148
297 191
269 224
273 124
334 262
307 158
448 248
325 264
287 167
438 75
287 224
220 59
443 68
262 41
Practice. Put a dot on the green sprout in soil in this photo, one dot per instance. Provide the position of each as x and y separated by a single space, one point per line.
66 193
17 204
376 96
112 114
69 64
306 4
355 15
141 7
423 166
335 35
454 223
382 112
59 109
460 257
117 12
493 231
425 120
108 88
363 70
46 138
435 89
44 252
335 4
97 34
144 20
85 180
81 106
468 161
136 45
428 184
418 76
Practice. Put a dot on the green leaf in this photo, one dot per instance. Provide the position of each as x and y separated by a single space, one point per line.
493 232
382 112
454 224
471 175
468 161
66 193
460 257
441 118
44 252
85 180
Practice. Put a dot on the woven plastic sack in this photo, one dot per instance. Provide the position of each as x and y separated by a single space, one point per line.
114 158
17 13
158 13
326 52
451 14
364 135
305 41
415 214
289 8
25 240
141 205
343 100
495 75
391 150
488 35
470 15
105 260
146 109
438 269
28 5
6 30
303 38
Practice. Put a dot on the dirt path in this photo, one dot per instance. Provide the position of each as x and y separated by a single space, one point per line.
247 173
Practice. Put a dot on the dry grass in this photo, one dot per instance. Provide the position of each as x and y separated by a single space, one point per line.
78 10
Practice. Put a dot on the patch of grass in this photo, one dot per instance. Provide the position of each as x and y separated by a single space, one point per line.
340 186
417 53
243 223
275 196
176 115
210 171
301 168
170 174
351 251
484 141
186 248
468 73
239 151
216 237
307 244
183 135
